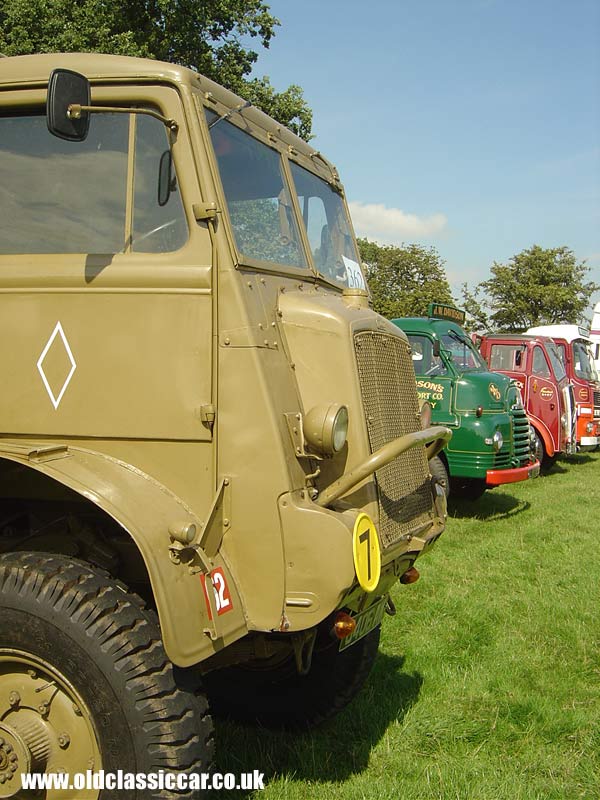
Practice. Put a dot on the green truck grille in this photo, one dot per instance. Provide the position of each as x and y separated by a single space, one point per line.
387 382
521 440
515 453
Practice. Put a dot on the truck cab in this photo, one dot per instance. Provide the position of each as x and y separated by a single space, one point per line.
491 443
595 336
575 347
534 363
213 468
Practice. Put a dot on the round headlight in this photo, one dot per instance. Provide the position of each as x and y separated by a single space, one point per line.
589 428
326 428
497 441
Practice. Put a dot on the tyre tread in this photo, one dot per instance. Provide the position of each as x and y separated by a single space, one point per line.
176 723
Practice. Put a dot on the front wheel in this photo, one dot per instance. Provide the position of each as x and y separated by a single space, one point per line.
276 696
538 447
469 488
85 683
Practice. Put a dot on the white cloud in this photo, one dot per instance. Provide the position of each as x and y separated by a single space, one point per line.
392 225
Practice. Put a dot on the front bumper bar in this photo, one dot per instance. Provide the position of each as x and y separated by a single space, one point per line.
435 439
497 477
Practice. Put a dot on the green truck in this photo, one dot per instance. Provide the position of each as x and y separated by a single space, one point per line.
490 445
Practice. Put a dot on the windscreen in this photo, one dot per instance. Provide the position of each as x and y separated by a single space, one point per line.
328 229
462 352
258 199
583 363
556 361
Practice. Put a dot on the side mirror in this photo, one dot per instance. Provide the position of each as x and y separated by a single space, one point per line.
165 179
436 348
66 88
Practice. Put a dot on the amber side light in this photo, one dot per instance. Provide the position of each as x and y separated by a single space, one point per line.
479 411
411 575
344 625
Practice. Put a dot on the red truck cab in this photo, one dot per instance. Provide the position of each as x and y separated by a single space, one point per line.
535 364
574 345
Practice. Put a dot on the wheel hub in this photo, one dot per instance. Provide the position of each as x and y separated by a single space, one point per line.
44 724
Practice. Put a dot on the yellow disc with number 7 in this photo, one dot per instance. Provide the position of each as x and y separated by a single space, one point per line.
367 555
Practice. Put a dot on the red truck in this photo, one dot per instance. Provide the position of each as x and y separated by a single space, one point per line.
575 348
534 362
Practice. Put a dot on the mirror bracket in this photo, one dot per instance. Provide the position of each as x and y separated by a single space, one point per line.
75 111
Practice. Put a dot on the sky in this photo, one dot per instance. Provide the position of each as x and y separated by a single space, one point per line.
472 126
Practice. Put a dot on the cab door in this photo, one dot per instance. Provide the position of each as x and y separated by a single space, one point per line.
105 287
544 401
434 380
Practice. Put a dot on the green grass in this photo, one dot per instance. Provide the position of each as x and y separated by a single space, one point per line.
487 685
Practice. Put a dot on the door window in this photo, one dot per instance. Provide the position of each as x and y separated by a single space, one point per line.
540 365
71 197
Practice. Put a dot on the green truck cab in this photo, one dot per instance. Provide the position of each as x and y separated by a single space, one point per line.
490 445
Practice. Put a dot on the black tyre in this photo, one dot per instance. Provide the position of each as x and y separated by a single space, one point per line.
275 696
440 473
474 489
85 682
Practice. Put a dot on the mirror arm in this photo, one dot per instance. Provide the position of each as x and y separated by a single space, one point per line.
75 109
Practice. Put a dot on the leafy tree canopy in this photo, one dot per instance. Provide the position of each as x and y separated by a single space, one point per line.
210 36
537 287
404 280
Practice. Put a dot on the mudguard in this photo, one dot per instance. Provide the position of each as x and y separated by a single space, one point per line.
195 621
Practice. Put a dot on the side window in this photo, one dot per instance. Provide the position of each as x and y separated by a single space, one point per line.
159 224
71 197
540 365
508 357
424 361
63 197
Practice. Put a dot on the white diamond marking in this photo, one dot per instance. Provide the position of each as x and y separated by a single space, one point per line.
58 331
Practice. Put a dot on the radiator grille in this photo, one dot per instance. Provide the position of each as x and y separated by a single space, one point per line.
596 404
387 382
522 442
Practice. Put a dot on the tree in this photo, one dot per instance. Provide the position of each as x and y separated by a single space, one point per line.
208 36
537 287
404 280
477 319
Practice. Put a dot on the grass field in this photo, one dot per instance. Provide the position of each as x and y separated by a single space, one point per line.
487 685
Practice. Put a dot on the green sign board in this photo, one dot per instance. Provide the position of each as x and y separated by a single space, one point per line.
441 311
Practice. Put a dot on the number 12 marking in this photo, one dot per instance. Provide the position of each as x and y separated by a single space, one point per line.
223 602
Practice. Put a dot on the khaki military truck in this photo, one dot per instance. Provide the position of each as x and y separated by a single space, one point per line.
213 468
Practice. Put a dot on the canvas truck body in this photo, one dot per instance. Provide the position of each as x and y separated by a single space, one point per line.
534 363
575 347
490 444
198 398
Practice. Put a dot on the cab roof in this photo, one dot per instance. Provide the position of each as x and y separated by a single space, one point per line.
519 337
567 332
34 71
427 324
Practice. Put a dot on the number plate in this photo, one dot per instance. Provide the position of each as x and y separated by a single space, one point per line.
365 622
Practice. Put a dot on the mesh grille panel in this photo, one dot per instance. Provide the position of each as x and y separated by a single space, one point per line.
387 382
